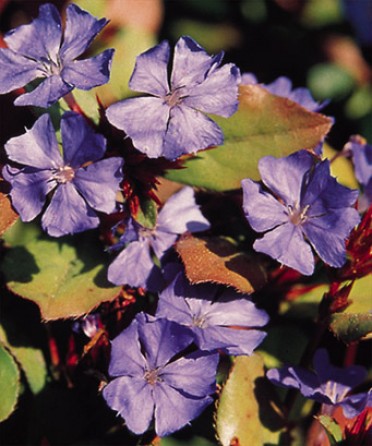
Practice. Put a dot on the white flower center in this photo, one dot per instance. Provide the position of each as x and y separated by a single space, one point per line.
64 174
296 214
152 376
199 321
174 97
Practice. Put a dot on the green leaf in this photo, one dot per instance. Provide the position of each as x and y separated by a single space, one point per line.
30 359
360 295
216 260
351 327
333 430
63 278
246 414
9 383
147 213
329 80
264 125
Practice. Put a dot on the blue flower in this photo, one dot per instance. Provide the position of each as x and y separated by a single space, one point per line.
134 265
326 384
172 120
149 382
304 201
362 158
282 86
81 183
218 320
39 50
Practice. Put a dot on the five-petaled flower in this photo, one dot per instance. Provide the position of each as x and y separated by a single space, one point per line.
39 50
172 120
135 266
305 201
327 384
219 320
149 382
82 184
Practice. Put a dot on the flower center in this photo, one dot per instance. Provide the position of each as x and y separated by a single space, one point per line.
64 174
297 215
334 392
199 321
173 98
51 67
152 376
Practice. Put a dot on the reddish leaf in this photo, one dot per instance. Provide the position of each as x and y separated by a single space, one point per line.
216 260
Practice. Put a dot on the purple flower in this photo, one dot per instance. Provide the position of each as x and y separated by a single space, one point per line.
304 201
171 120
282 86
362 159
134 265
39 50
149 382
81 183
326 384
219 320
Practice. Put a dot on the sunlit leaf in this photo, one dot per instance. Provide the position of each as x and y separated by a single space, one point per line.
360 295
246 413
351 327
264 125
65 279
216 260
30 359
9 383
341 168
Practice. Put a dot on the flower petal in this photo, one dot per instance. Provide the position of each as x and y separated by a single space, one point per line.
181 213
39 39
217 94
328 234
126 356
233 341
150 73
174 409
285 176
81 29
323 193
189 131
262 210
88 73
133 266
29 190
16 70
80 143
162 339
287 245
46 94
68 213
353 405
37 147
194 374
99 182
191 63
132 398
144 120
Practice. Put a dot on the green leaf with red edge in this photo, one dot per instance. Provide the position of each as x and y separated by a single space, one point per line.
351 327
247 413
216 260
9 383
65 277
7 215
333 430
264 125
147 213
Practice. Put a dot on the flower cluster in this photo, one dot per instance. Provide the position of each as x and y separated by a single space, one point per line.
73 172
